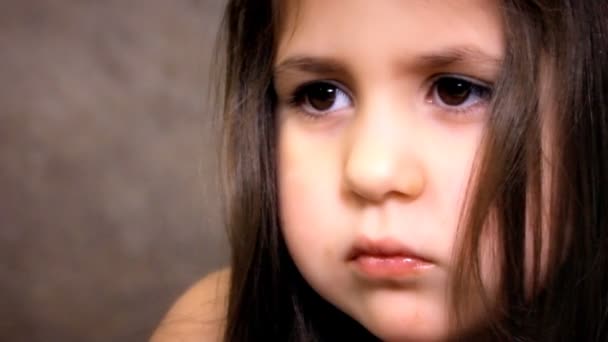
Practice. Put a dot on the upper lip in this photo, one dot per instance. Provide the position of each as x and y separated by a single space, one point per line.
385 247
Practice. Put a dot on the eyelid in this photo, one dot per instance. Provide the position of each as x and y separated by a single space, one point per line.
297 99
474 80
333 82
458 112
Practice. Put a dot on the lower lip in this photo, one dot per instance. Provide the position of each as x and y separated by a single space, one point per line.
390 267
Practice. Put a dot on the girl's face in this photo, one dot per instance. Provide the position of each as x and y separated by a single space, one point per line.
381 107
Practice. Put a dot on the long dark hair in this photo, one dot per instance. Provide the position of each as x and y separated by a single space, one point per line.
561 296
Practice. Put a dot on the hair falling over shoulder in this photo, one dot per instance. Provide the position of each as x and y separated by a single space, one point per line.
559 43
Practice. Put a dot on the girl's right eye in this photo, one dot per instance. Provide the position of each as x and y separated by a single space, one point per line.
320 98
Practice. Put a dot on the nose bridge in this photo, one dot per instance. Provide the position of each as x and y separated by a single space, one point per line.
381 156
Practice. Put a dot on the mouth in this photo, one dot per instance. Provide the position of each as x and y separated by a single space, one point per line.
387 259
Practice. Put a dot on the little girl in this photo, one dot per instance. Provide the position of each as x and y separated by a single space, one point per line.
412 170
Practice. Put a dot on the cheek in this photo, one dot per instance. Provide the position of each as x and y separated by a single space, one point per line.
308 174
305 177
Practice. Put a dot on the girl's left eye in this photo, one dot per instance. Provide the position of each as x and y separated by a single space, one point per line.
320 98
457 93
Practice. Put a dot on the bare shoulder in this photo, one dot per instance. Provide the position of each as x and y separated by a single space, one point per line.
199 314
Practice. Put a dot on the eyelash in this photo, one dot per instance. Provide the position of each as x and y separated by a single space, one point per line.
300 98
483 91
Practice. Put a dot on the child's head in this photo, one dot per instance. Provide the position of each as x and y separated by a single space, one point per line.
380 111
431 169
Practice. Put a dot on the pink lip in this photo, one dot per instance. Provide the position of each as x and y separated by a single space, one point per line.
386 259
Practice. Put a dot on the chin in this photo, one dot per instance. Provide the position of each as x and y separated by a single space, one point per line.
407 334
417 328
396 324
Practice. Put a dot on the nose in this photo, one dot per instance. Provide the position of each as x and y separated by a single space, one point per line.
382 159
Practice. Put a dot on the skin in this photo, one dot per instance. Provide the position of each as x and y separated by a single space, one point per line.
199 314
388 160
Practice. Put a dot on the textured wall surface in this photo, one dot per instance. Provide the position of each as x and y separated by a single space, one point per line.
108 199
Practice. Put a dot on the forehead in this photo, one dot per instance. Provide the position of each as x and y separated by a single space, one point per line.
344 29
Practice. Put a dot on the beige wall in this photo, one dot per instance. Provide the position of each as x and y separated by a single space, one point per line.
108 204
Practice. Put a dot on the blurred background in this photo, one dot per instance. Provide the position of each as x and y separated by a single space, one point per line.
108 206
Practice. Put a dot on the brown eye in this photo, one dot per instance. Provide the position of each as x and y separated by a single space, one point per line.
455 92
452 91
320 98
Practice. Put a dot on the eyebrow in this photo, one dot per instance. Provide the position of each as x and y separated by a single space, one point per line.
457 55
469 55
310 64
